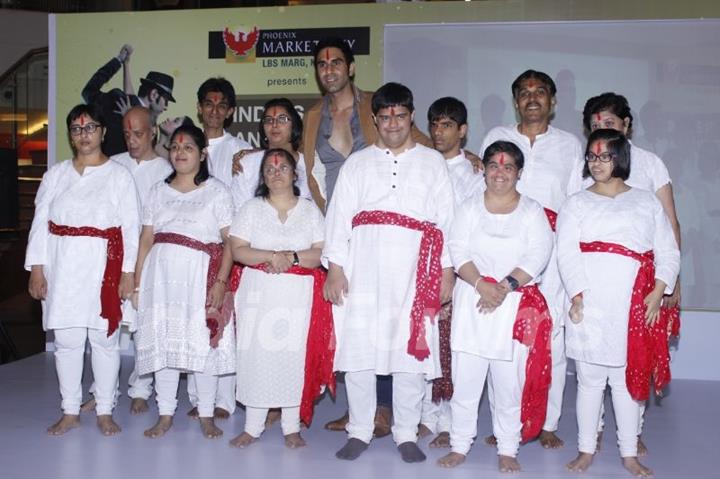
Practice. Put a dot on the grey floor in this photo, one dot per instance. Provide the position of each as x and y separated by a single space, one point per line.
682 434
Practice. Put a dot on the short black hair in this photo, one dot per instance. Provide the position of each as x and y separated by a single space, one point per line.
392 94
508 147
92 110
617 145
201 142
262 189
334 42
533 74
146 88
295 120
609 101
448 107
221 85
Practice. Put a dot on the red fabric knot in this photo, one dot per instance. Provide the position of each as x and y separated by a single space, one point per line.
320 350
532 327
109 290
215 320
648 350
429 272
552 217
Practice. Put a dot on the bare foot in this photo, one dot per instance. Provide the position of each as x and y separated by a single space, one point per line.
491 440
193 413
273 416
642 449
107 426
88 405
581 463
294 441
549 440
451 459
209 429
508 464
423 431
599 442
163 425
441 440
635 468
220 413
243 440
66 422
138 406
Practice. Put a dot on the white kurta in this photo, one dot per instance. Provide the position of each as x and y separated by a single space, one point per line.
146 174
466 183
373 325
171 313
634 219
273 310
103 196
220 155
552 172
245 183
496 244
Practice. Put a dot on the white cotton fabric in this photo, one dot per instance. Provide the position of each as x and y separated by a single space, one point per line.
171 313
273 310
372 327
466 183
102 197
496 244
634 219
220 156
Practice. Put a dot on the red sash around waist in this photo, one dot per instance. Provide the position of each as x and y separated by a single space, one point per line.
429 272
532 327
552 217
320 350
648 354
109 291
215 320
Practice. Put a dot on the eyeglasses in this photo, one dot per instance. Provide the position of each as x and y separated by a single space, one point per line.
272 171
90 128
604 157
279 120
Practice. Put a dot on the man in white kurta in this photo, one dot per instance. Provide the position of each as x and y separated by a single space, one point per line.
447 120
215 107
552 172
373 268
147 169
102 196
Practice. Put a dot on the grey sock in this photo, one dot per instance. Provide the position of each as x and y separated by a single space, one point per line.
410 452
352 449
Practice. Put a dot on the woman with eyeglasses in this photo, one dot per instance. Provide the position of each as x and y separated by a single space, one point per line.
617 257
284 326
81 256
280 127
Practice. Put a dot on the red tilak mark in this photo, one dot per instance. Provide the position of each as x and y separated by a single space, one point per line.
215 97
532 84
392 110
597 116
327 55
130 124
180 138
502 159
276 160
82 121
597 148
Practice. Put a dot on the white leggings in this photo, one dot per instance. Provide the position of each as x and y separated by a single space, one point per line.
105 360
255 420
436 417
592 379
166 388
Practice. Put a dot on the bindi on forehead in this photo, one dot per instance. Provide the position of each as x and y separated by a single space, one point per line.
181 137
327 54
276 160
392 110
82 120
502 159
130 124
215 96
598 147
597 116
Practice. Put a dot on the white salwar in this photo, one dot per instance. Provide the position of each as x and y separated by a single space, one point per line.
372 326
246 182
273 312
496 244
102 197
172 331
552 172
634 219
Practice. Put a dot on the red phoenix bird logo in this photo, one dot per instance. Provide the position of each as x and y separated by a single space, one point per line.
240 43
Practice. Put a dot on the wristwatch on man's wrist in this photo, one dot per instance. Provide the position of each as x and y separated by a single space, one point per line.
514 284
296 258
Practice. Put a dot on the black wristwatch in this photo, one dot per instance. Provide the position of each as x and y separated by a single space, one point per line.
514 284
296 258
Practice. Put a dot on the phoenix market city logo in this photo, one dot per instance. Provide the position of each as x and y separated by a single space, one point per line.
240 43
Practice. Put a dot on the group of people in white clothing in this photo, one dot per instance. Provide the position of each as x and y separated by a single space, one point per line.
445 273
